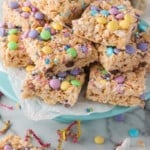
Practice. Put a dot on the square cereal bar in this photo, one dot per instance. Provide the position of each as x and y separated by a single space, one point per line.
123 89
63 88
135 54
13 52
108 23
56 48
22 13
62 10
13 142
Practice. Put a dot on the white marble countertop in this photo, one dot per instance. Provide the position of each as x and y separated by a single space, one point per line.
113 131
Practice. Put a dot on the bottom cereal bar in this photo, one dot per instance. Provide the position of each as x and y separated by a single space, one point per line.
12 51
123 89
63 88
13 142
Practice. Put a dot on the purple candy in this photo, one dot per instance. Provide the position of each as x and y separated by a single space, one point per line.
13 5
113 11
120 79
33 34
62 74
84 48
34 9
130 49
25 14
54 84
142 46
116 51
39 16
119 118
75 71
8 147
2 32
119 16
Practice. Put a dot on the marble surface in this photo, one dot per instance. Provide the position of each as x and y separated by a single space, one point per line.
113 131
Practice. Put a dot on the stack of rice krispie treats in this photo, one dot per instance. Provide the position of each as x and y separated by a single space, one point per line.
55 40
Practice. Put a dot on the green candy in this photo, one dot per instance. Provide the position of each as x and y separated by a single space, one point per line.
45 35
12 31
75 83
12 45
72 52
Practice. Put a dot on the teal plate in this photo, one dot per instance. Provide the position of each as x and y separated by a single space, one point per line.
6 88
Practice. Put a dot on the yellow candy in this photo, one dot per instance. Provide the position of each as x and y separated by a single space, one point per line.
26 9
124 24
99 140
103 81
12 37
129 18
64 85
101 20
113 26
39 29
47 50
57 26
29 68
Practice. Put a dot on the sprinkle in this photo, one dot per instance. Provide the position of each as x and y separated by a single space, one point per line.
119 118
75 71
47 61
101 20
120 7
12 45
93 12
5 128
129 18
39 16
64 85
7 107
143 26
2 32
26 9
57 26
13 5
99 140
110 51
119 16
30 68
67 47
116 51
113 11
13 31
123 24
72 52
133 132
54 84
47 50
120 79
84 48
13 37
33 34
62 74
142 46
45 35
113 25
130 49
88 110
25 14
75 83
104 12
31 132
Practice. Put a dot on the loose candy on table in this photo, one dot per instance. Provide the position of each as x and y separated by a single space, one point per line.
99 140
133 132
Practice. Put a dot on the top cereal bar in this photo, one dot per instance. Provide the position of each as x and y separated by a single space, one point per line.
62 10
109 23
22 13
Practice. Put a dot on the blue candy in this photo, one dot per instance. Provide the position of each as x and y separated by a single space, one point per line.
110 51
143 26
104 12
133 132
93 12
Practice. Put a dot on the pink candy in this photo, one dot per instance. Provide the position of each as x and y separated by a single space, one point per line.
54 84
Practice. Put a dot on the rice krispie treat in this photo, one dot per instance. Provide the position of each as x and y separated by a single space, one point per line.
123 89
56 48
13 142
22 13
136 53
62 10
63 88
139 4
108 23
13 52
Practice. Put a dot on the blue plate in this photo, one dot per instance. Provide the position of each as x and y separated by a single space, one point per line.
6 88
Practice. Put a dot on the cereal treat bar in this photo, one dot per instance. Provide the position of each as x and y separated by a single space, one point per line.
22 13
139 4
63 88
56 48
123 89
135 54
62 10
13 53
13 142
108 23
